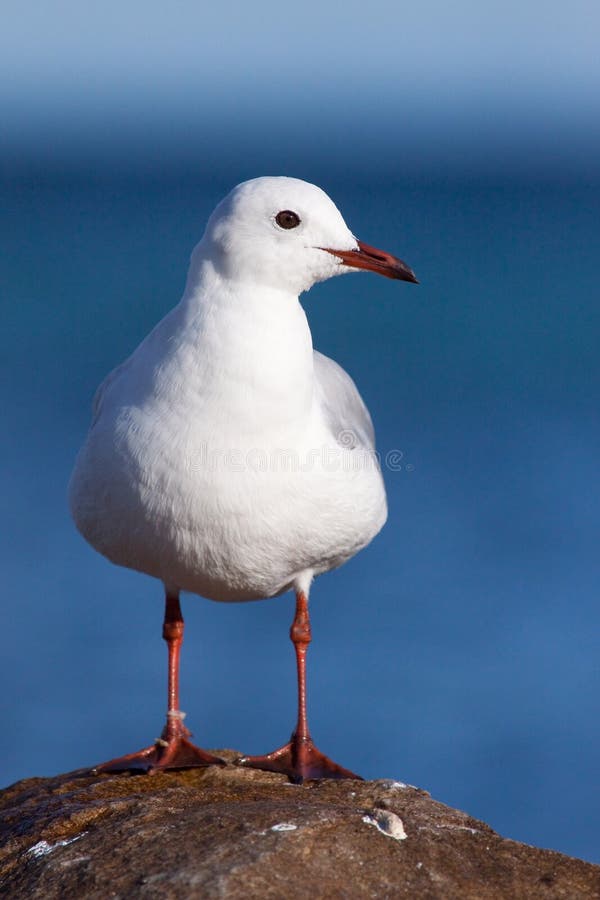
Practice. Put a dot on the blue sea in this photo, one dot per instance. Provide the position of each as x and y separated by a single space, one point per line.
460 651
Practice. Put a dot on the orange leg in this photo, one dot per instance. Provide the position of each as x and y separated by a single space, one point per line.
299 759
172 750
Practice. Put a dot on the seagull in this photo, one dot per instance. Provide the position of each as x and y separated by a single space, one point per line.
228 458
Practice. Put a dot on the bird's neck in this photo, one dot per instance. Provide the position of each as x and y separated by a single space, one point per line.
252 351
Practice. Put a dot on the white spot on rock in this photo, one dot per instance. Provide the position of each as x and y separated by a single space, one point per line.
67 863
391 785
458 827
283 826
43 848
387 823
40 849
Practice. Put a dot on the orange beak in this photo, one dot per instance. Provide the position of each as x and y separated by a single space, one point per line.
374 260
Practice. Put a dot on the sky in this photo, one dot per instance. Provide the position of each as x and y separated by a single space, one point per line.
511 75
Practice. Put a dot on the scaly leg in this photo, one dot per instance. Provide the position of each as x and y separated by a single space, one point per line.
172 750
299 759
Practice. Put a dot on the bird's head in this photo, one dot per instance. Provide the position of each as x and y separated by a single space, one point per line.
288 234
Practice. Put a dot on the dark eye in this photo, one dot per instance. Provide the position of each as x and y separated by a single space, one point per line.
287 219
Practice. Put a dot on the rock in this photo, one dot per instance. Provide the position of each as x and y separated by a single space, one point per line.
240 833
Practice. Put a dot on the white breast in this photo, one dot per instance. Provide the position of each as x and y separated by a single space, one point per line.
211 463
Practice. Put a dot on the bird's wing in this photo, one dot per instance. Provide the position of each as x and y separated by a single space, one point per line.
346 414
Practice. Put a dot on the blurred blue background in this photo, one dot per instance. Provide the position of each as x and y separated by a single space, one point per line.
459 652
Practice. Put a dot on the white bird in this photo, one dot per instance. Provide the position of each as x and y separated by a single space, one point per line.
228 458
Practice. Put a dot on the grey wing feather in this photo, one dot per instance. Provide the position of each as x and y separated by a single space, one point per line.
344 409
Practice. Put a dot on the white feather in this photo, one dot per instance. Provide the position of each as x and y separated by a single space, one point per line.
218 459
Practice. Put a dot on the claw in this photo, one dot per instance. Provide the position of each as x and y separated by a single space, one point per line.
300 760
179 753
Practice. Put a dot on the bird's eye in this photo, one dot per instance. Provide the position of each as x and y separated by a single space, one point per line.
287 219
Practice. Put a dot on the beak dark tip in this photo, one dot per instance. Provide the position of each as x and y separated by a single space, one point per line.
408 275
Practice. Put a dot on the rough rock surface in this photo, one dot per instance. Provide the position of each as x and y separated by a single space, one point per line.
236 833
